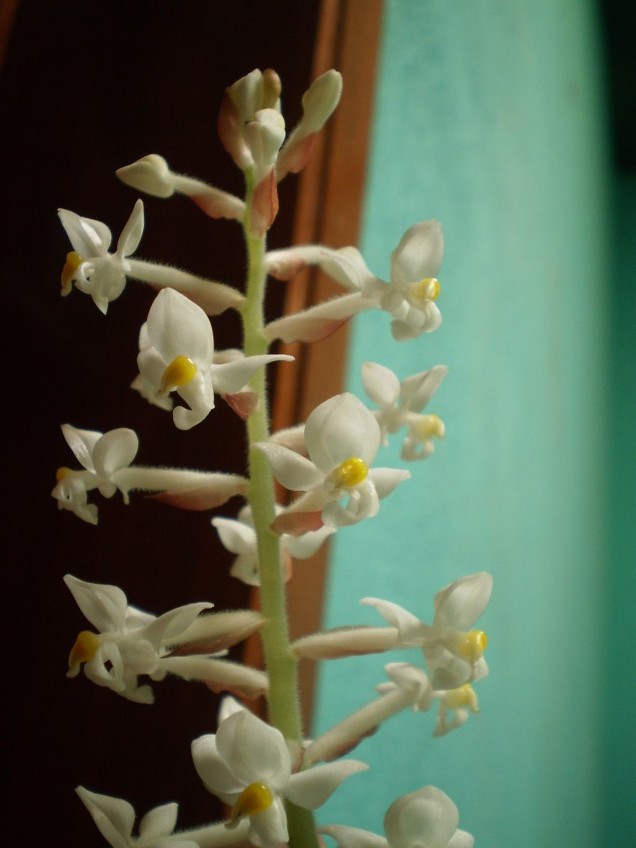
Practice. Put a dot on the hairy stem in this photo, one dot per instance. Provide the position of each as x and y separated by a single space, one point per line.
283 695
281 666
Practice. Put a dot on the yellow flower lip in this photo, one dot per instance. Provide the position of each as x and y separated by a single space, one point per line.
427 289
62 473
73 261
472 645
463 696
349 473
83 650
180 372
254 799
428 427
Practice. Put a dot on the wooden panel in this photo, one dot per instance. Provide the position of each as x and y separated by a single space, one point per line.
329 209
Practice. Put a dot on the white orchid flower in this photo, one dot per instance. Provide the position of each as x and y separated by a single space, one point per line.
452 648
426 818
342 438
103 275
90 266
180 356
247 764
129 643
408 296
115 820
106 459
103 456
239 537
401 405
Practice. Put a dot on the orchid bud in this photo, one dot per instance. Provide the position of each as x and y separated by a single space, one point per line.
150 174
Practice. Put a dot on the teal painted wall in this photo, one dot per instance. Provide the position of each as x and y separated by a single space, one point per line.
489 117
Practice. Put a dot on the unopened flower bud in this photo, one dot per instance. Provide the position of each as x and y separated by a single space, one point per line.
149 174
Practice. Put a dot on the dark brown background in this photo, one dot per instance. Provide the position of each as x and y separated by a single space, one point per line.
88 87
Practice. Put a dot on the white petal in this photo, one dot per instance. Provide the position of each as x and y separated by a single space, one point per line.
339 429
228 706
233 376
380 383
114 817
386 480
264 136
235 536
178 327
199 395
416 391
460 604
363 502
172 624
303 547
269 828
311 788
82 443
116 449
293 471
419 253
132 232
212 769
413 681
159 821
89 238
426 818
104 606
409 626
461 839
254 750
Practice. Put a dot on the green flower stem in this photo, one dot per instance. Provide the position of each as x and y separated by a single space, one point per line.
283 696
284 706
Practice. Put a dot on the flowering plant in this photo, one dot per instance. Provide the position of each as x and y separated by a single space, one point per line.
258 762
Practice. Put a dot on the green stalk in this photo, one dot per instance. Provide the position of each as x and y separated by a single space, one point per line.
283 695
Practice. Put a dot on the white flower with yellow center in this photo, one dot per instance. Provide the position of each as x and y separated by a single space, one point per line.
408 296
426 818
89 265
180 357
452 648
247 764
401 405
103 456
342 439
129 643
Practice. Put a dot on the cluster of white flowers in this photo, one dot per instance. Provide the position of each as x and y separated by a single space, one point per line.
263 770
